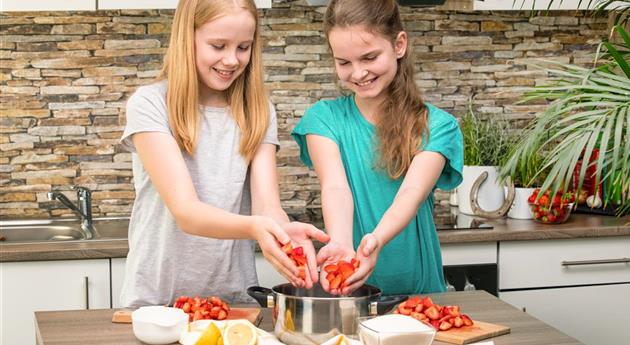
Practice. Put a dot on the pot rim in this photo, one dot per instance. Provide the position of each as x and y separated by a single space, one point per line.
377 294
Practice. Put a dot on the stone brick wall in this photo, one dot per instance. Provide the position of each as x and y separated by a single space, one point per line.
65 77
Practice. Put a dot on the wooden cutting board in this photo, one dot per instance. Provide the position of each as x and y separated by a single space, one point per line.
465 335
252 315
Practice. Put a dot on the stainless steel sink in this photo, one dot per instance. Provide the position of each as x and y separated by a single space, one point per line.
61 230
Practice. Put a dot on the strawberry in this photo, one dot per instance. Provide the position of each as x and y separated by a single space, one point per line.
445 326
432 313
402 310
427 302
467 321
458 322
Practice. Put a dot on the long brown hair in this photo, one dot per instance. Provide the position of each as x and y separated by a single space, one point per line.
246 96
403 123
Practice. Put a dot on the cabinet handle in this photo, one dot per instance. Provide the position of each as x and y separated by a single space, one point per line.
87 292
596 262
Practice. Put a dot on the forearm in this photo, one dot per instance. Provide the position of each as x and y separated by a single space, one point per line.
201 219
400 213
338 210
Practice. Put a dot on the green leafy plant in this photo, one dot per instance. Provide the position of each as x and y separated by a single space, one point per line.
486 139
589 109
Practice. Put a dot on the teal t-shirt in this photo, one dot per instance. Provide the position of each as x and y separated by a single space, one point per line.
411 263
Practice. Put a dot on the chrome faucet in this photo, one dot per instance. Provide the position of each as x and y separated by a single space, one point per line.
84 208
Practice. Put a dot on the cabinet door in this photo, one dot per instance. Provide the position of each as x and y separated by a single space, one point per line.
48 285
155 4
48 5
118 275
469 253
527 4
594 315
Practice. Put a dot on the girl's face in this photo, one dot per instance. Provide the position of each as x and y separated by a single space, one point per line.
223 48
366 62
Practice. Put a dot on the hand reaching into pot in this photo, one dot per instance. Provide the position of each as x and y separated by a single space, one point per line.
367 255
301 235
331 254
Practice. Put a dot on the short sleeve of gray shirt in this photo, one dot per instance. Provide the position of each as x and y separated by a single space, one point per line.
163 261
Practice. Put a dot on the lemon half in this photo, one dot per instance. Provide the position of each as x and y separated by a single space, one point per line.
240 332
210 336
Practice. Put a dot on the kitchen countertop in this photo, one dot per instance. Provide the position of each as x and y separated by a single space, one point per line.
95 326
578 226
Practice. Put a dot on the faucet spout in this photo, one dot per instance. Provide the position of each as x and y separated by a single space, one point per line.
84 208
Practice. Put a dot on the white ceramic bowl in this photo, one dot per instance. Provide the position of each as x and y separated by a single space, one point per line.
394 329
158 324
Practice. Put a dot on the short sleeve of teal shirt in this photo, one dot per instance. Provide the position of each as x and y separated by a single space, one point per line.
445 138
317 120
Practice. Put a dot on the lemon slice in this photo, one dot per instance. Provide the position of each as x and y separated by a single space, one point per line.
210 336
240 332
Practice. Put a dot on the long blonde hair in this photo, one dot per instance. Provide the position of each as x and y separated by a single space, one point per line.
403 123
246 96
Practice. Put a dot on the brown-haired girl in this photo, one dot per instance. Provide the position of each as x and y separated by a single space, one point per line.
204 139
379 153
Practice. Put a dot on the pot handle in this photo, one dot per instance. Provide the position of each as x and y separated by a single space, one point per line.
262 295
386 303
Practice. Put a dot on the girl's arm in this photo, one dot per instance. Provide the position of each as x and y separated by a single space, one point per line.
266 202
337 203
163 161
423 173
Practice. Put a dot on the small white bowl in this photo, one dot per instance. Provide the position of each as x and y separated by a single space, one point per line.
158 324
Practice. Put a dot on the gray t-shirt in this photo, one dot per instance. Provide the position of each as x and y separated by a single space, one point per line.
163 261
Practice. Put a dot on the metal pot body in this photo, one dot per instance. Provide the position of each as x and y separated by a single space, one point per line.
308 317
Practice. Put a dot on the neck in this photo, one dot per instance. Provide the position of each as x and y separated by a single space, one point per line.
370 107
212 98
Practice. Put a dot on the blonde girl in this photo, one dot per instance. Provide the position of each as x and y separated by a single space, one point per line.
203 139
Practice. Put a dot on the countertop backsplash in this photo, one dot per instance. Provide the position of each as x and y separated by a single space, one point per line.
65 78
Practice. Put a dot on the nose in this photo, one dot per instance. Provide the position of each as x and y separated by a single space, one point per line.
359 73
230 59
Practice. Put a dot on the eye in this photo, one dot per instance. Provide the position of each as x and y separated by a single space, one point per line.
218 46
370 58
342 63
245 47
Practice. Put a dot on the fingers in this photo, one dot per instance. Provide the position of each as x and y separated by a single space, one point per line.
322 255
311 264
317 234
323 281
279 233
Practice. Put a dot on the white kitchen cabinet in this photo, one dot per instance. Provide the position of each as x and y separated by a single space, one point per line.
31 286
579 286
524 5
118 275
47 5
155 4
469 253
594 315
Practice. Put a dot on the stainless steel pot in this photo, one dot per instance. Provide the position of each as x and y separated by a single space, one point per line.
313 316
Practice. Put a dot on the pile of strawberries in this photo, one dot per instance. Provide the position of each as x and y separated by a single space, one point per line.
551 209
442 318
199 308
339 272
299 259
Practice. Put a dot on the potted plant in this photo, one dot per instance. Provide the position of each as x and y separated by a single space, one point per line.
486 143
588 115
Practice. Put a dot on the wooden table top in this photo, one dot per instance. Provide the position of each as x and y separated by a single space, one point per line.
95 326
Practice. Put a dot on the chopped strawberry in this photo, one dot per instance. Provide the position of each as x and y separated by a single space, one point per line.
445 326
432 313
458 322
467 320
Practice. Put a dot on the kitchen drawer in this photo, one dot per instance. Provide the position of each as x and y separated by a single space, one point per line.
469 253
553 263
594 315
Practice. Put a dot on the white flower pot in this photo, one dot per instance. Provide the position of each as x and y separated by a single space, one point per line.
490 195
520 208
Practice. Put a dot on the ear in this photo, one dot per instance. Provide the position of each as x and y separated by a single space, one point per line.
400 45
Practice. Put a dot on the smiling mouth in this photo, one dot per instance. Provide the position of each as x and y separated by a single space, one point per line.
223 73
365 83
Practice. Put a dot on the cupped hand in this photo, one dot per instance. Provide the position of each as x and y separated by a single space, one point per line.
268 234
367 254
302 234
331 254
